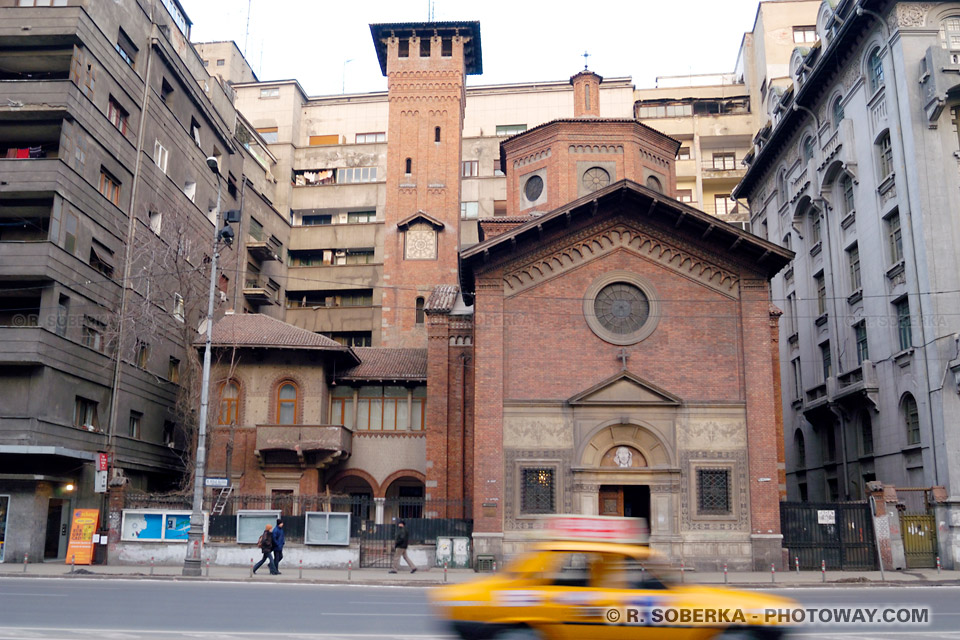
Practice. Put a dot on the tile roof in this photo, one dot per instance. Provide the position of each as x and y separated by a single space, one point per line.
380 363
443 298
258 330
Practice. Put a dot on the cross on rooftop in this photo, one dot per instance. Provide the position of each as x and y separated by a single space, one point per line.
585 56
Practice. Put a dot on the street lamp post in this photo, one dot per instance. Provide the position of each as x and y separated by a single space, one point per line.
192 561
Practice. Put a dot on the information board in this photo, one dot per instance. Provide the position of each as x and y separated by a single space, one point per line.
82 530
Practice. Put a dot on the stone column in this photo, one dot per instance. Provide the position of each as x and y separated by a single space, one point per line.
898 556
378 510
881 524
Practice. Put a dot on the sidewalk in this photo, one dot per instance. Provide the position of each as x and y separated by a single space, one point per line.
380 577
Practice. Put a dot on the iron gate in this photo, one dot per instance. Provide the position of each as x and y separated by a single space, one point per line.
838 533
918 527
376 545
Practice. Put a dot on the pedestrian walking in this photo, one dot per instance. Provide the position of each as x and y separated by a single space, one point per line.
266 546
400 549
278 539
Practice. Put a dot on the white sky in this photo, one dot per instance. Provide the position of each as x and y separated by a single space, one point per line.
522 40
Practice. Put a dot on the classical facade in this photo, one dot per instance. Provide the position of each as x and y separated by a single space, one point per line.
857 173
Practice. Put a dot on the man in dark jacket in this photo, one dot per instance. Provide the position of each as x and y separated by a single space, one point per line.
266 546
278 539
400 550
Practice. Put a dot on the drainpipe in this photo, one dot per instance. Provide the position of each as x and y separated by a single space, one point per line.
241 255
906 209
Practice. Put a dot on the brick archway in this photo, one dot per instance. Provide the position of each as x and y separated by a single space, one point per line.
396 475
357 473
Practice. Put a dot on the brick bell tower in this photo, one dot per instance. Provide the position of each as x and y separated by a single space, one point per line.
425 64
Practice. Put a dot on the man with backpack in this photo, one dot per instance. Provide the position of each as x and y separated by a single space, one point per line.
400 550
266 546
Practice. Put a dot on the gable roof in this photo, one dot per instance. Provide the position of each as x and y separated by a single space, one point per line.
625 388
766 257
255 330
380 363
420 215
442 298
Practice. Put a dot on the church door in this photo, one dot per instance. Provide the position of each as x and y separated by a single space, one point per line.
631 501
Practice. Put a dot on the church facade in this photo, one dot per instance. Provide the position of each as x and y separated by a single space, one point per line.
604 349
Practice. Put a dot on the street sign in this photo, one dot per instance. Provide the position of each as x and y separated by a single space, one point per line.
100 482
102 459
826 516
216 482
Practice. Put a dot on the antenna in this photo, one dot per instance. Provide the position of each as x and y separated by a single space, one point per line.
246 37
429 10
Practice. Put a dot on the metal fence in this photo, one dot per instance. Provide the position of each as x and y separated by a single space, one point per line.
840 534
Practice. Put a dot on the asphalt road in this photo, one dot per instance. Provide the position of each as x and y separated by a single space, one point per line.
82 609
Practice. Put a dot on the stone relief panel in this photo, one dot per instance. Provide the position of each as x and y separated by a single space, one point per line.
529 432
740 499
513 461
713 434
910 14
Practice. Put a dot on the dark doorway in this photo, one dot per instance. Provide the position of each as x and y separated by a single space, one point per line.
56 528
630 501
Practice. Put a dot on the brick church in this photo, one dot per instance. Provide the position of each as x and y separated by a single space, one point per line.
604 348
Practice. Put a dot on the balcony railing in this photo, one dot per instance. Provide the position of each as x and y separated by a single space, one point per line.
313 445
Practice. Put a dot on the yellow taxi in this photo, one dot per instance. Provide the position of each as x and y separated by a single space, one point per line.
593 589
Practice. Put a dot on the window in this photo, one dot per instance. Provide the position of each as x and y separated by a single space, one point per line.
270 92
156 221
863 352
713 492
537 491
805 34
270 135
357 174
341 406
866 434
436 133
685 195
91 334
160 155
100 260
178 307
110 187
875 71
791 312
885 156
351 338
408 166
195 131
726 160
510 129
815 226
853 259
723 205
829 447
420 313
820 284
206 63
229 403
911 418
126 48
800 447
190 190
166 92
134 429
846 193
586 97
797 379
143 354
469 210
357 217
665 111
826 359
287 403
904 324
85 414
385 409
173 370
684 153
221 62
470 168
315 220
117 116
367 138
808 148
63 314
894 238
837 113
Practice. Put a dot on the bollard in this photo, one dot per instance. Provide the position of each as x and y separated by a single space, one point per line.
796 563
151 565
823 571
349 569
301 568
444 570
494 566
773 573
938 565
208 567
251 567
724 573
25 557
682 567
73 562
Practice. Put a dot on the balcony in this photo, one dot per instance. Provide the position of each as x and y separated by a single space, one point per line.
259 290
316 446
30 139
262 246
343 236
346 276
336 319
25 219
859 383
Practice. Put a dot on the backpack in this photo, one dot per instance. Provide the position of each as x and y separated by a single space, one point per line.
265 541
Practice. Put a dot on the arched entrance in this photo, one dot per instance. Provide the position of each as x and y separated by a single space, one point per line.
404 497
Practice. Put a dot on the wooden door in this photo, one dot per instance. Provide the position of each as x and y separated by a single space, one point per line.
611 501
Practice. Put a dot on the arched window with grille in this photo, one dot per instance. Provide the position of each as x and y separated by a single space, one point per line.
837 112
420 312
911 419
229 403
845 185
875 70
808 147
287 399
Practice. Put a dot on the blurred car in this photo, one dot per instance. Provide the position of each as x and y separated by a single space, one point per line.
592 590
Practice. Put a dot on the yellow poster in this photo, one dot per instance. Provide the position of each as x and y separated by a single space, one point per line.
84 525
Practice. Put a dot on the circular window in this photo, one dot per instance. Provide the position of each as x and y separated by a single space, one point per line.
621 308
533 188
595 178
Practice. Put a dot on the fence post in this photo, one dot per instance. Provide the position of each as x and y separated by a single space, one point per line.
725 579
444 570
349 569
938 565
151 565
301 569
773 573
823 571
208 567
796 563
251 567
25 557
73 562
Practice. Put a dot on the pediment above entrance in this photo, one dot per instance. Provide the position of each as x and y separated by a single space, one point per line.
594 243
625 389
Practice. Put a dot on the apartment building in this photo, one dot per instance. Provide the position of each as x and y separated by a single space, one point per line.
107 216
857 173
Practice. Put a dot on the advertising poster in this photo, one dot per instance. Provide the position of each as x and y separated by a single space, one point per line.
143 526
178 527
82 530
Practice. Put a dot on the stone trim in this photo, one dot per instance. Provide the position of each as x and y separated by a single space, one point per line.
736 462
272 403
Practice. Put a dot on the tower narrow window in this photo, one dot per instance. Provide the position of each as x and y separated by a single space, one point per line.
409 166
436 134
420 313
586 97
